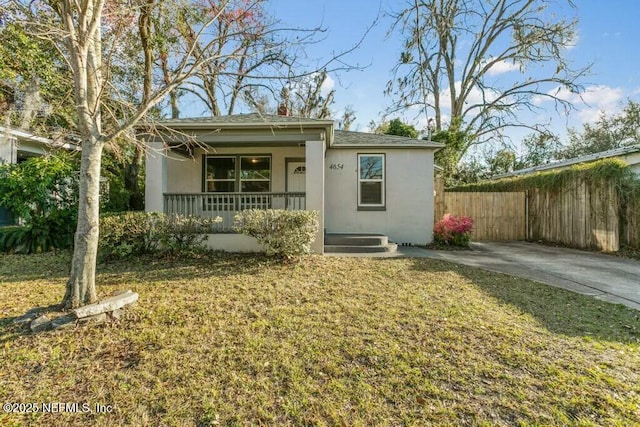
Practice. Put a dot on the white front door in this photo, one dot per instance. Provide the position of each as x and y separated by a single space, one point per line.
296 182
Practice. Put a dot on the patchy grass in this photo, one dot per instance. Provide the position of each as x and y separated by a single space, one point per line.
239 340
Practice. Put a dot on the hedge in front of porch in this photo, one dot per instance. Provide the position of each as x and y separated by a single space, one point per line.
284 233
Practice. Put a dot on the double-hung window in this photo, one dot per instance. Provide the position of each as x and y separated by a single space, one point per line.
371 181
220 174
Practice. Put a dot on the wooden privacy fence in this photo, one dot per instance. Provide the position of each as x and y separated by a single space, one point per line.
630 227
497 216
583 214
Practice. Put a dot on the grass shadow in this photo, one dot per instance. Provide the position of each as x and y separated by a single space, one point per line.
9 331
195 266
559 310
20 268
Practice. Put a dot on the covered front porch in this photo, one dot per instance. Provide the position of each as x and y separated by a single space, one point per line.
243 166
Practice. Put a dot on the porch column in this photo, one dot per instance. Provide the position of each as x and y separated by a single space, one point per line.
8 149
156 177
314 188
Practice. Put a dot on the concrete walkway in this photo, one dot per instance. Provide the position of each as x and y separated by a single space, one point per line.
605 277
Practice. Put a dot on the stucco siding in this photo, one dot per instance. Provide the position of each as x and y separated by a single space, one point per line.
633 160
7 150
184 175
408 214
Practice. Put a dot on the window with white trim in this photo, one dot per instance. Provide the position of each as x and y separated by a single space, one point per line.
371 180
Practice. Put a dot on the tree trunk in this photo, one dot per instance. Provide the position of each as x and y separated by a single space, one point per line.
81 286
131 178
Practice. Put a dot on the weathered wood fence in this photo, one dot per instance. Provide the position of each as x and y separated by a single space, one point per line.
630 233
583 214
497 216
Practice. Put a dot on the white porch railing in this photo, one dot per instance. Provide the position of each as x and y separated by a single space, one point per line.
226 205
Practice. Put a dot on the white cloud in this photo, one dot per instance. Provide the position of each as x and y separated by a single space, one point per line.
573 42
594 101
502 67
327 85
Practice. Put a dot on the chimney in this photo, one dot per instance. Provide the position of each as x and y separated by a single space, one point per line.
283 110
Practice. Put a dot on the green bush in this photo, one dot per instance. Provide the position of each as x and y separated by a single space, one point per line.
11 238
182 234
127 234
283 233
42 234
43 193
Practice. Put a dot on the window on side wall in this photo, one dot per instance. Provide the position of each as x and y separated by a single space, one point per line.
371 181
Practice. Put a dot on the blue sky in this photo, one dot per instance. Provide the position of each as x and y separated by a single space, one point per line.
608 36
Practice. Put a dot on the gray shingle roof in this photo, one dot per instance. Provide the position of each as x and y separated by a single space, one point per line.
343 137
249 119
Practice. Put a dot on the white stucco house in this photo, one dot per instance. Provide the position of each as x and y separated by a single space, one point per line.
360 183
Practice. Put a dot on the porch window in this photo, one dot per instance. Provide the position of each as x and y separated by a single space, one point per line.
371 181
255 174
229 174
220 174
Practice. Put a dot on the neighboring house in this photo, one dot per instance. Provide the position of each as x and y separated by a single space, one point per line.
17 146
630 155
358 182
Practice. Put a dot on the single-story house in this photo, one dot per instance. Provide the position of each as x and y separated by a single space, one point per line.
358 182
630 155
18 145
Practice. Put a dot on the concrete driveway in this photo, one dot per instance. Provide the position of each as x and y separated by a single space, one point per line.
605 277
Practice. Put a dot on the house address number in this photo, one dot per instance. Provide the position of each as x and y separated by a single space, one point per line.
336 166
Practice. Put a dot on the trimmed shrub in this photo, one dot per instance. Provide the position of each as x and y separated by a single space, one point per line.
283 233
453 230
180 234
126 234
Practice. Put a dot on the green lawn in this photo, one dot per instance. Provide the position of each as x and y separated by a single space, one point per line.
239 340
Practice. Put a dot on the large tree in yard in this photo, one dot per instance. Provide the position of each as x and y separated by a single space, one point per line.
94 38
454 51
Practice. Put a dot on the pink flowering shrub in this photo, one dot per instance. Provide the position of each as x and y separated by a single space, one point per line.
453 230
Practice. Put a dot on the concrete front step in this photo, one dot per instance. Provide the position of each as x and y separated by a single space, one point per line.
355 239
350 249
357 243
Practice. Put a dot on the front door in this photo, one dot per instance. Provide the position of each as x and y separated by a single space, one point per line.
296 183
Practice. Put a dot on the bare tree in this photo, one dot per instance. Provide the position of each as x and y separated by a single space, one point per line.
304 96
347 119
454 49
90 37
257 56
